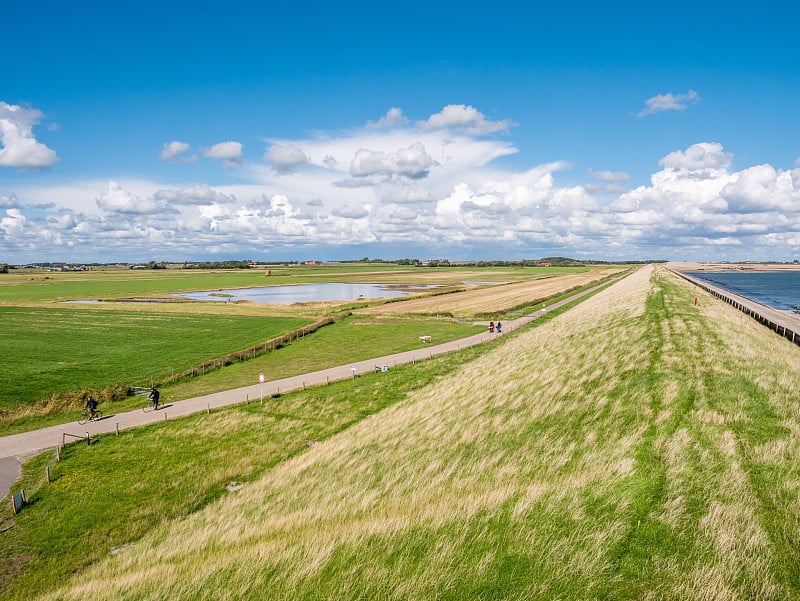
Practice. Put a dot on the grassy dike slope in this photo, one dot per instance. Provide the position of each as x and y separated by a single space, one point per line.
636 447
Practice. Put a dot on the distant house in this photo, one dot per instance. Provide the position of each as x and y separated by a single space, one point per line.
544 264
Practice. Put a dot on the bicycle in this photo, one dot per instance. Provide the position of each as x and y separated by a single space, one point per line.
152 405
90 416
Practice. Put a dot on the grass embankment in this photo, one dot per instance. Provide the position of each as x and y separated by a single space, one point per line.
643 447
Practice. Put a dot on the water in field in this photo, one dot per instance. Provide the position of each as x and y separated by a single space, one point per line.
777 289
304 293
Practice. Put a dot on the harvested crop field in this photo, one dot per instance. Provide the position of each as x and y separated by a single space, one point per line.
493 299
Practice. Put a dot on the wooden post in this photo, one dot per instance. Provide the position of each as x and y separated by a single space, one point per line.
117 428
88 440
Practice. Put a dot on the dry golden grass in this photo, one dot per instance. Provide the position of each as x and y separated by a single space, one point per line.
493 299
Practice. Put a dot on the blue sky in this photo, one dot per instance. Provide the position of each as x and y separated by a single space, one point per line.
172 131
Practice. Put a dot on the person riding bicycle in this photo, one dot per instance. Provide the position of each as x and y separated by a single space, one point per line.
154 396
91 406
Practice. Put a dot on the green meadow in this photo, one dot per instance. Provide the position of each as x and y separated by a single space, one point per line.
635 446
62 349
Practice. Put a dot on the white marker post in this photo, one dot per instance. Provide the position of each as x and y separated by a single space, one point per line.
353 369
261 381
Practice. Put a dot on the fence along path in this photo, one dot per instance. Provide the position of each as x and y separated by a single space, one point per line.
19 446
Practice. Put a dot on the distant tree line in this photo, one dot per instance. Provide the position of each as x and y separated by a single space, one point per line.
217 265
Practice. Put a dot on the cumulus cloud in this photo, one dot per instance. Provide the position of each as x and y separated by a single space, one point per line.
669 102
200 194
118 200
286 158
175 152
13 223
419 191
468 118
762 189
705 157
19 147
412 162
230 153
351 211
394 117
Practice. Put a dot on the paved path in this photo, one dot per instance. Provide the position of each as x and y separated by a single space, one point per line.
17 447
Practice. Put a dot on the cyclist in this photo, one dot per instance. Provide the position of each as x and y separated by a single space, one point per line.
154 396
91 406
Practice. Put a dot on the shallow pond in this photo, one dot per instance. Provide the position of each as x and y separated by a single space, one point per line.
305 293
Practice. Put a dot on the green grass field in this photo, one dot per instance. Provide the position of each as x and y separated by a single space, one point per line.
638 446
62 349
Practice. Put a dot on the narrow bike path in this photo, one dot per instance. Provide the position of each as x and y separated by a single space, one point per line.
18 447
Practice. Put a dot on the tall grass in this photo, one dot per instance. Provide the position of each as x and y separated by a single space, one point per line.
636 447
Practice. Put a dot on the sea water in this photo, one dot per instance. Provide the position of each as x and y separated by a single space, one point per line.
778 289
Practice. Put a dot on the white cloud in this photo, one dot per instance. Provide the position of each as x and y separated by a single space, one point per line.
351 211
175 152
200 194
704 157
413 191
762 189
286 158
230 153
394 117
118 200
412 162
468 118
13 224
19 146
669 102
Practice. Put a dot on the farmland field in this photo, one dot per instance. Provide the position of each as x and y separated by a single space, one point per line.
496 299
